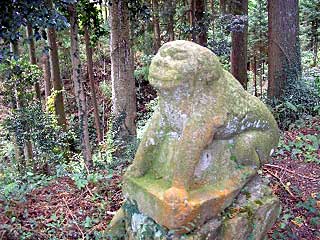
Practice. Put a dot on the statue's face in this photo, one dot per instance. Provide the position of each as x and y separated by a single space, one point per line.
183 63
172 66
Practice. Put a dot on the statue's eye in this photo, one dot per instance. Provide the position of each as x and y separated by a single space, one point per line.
179 56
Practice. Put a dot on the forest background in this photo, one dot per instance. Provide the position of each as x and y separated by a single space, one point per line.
75 99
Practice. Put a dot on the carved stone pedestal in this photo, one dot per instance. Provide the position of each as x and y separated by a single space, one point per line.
249 217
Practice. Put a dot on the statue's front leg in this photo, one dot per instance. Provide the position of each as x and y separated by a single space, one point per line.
197 135
142 161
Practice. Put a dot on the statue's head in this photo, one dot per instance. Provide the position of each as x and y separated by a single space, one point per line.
182 62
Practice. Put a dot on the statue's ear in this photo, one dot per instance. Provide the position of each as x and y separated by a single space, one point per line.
210 68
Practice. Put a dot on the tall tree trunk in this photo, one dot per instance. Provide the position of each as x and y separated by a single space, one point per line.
213 17
22 152
92 86
123 82
172 12
28 152
105 11
14 48
223 6
255 74
156 26
187 15
18 149
78 86
55 74
314 33
284 48
239 46
32 57
192 20
202 28
46 75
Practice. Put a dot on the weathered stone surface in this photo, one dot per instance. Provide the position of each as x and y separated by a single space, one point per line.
250 216
205 141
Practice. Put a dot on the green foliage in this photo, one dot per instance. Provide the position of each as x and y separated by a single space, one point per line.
106 89
309 205
302 147
90 16
34 125
311 214
141 27
301 99
114 153
18 77
142 123
83 179
27 122
142 70
17 13
310 30
14 186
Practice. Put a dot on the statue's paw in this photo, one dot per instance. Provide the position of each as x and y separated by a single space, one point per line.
178 206
176 196
219 121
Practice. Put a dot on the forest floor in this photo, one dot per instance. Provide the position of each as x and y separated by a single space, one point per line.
65 211
81 206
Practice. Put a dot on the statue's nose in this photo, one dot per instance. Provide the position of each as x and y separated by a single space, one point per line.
161 61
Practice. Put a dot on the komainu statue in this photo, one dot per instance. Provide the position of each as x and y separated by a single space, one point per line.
203 146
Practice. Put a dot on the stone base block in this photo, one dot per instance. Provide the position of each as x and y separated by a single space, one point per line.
250 216
181 213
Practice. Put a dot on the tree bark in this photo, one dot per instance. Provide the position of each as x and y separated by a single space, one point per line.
223 6
314 33
284 48
213 18
255 74
18 149
28 152
156 26
55 74
202 28
78 86
239 46
192 20
32 57
122 68
172 11
92 86
46 75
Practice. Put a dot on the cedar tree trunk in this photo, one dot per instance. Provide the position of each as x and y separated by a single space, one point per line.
156 26
32 57
239 46
78 86
122 68
284 48
55 74
92 86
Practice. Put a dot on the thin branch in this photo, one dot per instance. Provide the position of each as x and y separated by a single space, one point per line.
74 219
287 188
292 172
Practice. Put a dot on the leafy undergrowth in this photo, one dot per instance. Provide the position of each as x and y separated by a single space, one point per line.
295 178
79 207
